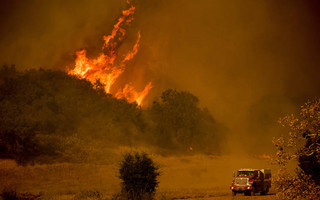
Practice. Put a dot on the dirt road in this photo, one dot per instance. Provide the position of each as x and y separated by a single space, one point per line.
229 196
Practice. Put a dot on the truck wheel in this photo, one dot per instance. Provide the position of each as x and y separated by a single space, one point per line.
234 193
253 192
265 191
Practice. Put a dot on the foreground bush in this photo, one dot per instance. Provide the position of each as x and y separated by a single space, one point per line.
299 186
303 145
139 176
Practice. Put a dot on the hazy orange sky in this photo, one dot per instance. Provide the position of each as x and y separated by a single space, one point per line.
250 62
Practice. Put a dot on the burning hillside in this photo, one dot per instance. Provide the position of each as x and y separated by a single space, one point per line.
104 69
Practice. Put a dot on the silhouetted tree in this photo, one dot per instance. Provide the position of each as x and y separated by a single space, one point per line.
302 143
182 124
308 128
139 176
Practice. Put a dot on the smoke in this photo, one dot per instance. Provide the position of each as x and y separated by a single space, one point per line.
46 34
249 62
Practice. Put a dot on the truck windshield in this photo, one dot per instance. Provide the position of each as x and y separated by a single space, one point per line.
245 173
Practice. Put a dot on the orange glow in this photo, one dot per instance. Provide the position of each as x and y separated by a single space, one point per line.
125 19
131 95
265 156
134 51
104 69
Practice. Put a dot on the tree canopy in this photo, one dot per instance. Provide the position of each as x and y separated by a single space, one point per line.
50 116
48 112
182 124
302 143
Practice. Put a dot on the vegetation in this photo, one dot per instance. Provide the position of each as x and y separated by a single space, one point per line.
10 194
303 144
48 116
181 124
139 176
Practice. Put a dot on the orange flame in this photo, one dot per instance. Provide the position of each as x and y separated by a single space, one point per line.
134 51
103 69
265 156
116 28
131 95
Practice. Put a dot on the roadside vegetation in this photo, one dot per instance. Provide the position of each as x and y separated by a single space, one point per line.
57 124
303 145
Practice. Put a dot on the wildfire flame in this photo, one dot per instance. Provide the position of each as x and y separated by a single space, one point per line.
265 156
103 69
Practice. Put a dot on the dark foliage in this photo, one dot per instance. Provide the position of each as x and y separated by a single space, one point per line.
310 163
42 110
139 176
180 123
49 116
10 194
302 143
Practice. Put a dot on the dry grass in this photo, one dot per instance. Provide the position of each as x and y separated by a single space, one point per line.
62 179
184 177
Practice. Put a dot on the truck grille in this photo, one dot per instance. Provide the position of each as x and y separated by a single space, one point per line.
242 181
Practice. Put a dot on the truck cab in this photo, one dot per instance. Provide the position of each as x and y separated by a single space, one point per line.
251 181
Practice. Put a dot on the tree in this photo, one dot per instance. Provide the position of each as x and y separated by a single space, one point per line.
305 138
139 176
181 124
303 144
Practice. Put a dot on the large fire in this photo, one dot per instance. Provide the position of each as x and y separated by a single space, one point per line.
104 69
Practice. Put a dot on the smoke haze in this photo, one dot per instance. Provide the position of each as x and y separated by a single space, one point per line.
249 62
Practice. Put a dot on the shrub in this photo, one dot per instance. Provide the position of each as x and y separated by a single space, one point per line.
303 145
11 194
139 176
299 186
